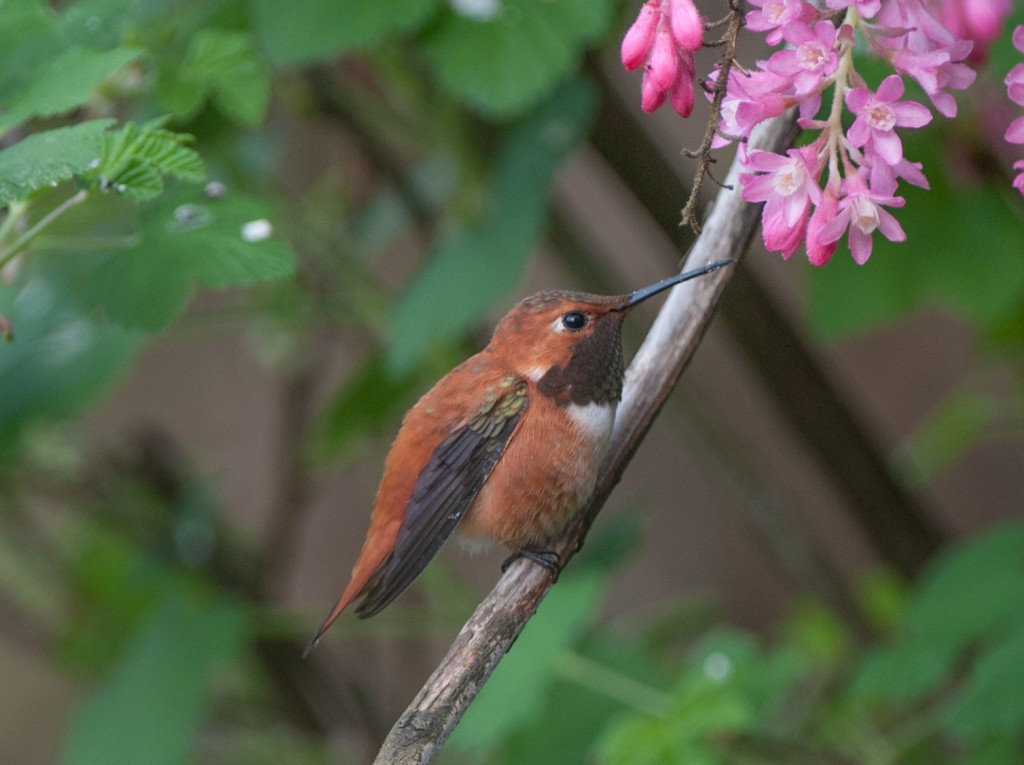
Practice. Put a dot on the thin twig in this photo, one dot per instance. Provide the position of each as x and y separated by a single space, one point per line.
703 153
421 730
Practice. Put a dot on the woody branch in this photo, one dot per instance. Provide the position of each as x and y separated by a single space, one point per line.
490 631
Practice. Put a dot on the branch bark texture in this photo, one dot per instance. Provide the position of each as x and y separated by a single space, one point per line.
671 342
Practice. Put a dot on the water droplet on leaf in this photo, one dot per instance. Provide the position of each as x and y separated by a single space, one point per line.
257 230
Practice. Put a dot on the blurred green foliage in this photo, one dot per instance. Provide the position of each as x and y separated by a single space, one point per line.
147 150
941 686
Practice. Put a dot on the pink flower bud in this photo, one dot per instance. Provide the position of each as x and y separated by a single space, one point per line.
664 64
638 40
651 96
818 252
687 24
682 95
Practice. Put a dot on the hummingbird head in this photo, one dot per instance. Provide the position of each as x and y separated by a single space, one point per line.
570 343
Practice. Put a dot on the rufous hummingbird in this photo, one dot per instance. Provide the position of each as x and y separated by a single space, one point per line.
506 446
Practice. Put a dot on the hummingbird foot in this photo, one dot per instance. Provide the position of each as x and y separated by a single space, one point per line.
549 559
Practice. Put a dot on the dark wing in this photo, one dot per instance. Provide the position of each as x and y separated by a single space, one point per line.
444 491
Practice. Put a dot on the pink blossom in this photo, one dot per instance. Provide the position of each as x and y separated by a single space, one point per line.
686 23
913 26
818 252
749 99
780 236
1015 79
925 49
775 14
812 58
1018 182
788 186
980 21
883 177
786 181
1015 132
1015 90
861 212
937 71
1015 84
640 36
878 116
866 8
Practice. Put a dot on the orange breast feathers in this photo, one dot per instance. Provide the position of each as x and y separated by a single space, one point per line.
547 471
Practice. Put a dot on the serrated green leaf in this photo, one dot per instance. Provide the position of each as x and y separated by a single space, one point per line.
316 29
472 270
184 241
135 158
504 65
67 82
47 158
151 707
224 67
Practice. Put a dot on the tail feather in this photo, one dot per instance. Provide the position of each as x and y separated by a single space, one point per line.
353 589
364 576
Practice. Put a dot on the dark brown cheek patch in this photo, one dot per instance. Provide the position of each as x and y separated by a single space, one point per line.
595 370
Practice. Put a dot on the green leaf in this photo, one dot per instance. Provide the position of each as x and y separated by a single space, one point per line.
729 686
28 42
992 702
472 270
591 686
981 582
368 399
59 360
506 64
134 159
515 693
67 82
224 67
967 594
316 29
957 424
47 158
151 707
962 252
97 23
184 240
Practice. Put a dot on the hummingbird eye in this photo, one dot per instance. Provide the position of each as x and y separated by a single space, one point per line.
574 321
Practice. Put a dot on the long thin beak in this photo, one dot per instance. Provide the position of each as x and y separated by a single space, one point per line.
642 294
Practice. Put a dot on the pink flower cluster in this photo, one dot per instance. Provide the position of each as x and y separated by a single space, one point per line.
663 39
849 177
1015 89
845 181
